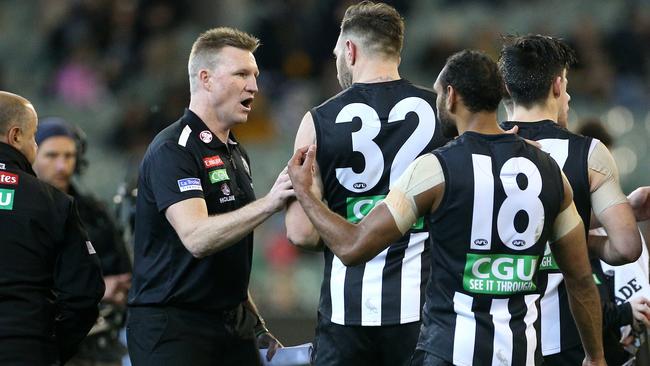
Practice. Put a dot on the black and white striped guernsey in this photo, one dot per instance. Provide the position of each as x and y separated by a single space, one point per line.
488 237
366 136
571 152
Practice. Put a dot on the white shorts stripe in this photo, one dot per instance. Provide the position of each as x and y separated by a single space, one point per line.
502 346
465 330
550 322
411 279
337 291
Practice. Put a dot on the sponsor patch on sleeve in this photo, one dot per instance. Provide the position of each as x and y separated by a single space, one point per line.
8 178
89 246
218 175
212 161
189 184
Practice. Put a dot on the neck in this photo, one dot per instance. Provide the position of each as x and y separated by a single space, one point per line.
201 108
375 71
537 112
481 122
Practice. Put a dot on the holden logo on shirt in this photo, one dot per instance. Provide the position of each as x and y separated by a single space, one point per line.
8 178
225 189
206 136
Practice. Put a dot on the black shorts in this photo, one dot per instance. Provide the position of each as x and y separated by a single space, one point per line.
168 336
341 345
423 358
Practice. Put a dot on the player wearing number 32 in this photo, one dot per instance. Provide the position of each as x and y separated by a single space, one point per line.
367 135
492 202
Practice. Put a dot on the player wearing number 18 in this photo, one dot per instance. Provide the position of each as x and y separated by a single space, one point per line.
367 135
493 201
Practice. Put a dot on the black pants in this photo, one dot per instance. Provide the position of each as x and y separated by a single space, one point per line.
170 336
570 357
339 345
423 358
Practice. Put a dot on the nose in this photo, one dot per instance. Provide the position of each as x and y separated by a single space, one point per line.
251 85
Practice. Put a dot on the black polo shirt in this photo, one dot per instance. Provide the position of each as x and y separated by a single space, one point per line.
184 161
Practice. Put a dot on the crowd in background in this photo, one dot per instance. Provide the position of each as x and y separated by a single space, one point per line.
118 69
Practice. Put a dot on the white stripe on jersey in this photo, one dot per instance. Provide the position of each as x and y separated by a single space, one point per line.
185 134
481 236
531 333
594 142
465 330
410 307
550 323
371 290
502 345
337 291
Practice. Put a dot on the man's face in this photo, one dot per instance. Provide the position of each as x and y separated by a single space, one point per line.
343 72
447 122
233 85
56 160
565 98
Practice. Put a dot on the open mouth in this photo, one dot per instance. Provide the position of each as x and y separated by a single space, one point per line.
246 103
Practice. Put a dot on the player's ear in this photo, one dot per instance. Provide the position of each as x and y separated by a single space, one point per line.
451 100
351 52
557 86
204 79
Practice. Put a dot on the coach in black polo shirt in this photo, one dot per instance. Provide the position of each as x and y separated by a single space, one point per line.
196 211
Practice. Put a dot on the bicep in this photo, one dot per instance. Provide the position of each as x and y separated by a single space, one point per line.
377 231
570 253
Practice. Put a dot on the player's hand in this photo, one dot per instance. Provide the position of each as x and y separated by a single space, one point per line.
267 340
515 129
640 202
640 311
301 168
280 192
117 287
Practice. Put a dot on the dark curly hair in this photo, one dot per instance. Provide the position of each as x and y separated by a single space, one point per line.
530 63
477 79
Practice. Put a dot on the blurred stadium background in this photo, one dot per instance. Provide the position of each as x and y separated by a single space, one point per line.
118 69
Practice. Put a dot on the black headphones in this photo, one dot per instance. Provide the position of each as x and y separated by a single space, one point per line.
57 126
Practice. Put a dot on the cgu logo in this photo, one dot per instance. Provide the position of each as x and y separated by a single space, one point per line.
8 178
504 268
359 185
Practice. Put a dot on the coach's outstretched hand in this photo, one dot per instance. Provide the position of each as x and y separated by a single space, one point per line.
301 167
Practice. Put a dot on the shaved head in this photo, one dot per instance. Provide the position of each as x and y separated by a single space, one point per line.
18 123
14 111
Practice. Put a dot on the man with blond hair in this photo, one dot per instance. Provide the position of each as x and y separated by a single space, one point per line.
195 214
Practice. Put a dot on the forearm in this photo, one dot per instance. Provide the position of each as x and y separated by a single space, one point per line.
219 232
337 233
585 306
300 230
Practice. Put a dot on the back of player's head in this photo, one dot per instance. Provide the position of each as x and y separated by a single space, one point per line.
378 26
14 111
210 42
529 65
477 79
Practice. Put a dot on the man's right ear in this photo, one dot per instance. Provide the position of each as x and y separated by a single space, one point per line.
14 136
205 80
556 87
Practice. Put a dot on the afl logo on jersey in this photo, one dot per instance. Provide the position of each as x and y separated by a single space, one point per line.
359 185
206 136
519 243
480 242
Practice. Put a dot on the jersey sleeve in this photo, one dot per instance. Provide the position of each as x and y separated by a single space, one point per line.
173 175
608 193
423 174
